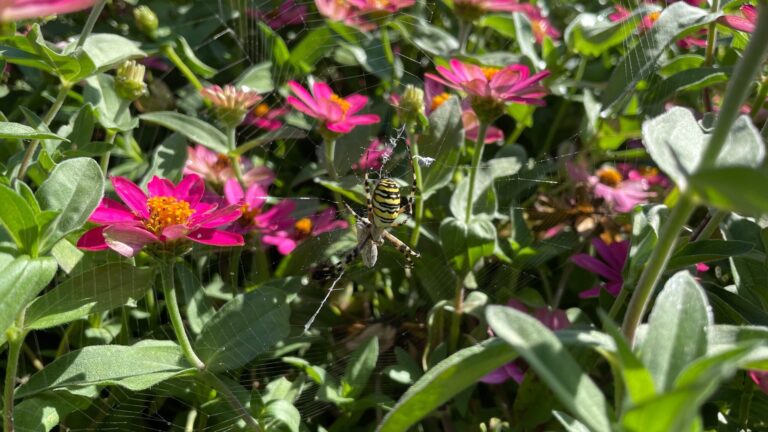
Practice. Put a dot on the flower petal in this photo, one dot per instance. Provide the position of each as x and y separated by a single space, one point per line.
214 237
217 218
190 189
93 240
131 195
110 211
594 265
233 192
128 240
305 97
160 187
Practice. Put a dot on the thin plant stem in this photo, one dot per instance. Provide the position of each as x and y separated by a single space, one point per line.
519 129
477 156
745 404
709 53
759 101
104 163
708 227
15 343
189 425
261 261
172 305
90 23
170 52
330 151
234 159
222 388
418 213
458 310
47 119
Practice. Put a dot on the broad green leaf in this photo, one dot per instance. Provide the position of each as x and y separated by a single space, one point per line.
108 50
688 80
243 328
732 189
74 188
677 330
190 59
637 378
9 130
724 336
113 111
431 39
271 41
553 364
444 381
47 410
465 243
135 367
442 142
258 77
642 60
96 290
569 423
707 250
281 415
646 223
81 128
592 35
20 281
661 413
66 254
18 219
676 141
193 128
360 367
313 47
168 159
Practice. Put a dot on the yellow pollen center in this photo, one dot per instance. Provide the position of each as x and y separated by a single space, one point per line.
341 103
261 110
439 100
303 226
609 176
165 211
248 213
649 171
489 72
653 16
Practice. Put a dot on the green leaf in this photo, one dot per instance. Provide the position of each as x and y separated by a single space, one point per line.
431 39
190 59
642 60
281 415
21 279
18 219
688 80
96 290
285 132
676 141
108 50
168 159
135 367
243 328
360 367
271 41
10 130
75 188
732 189
193 128
465 243
47 410
637 378
592 35
258 77
553 363
677 332
313 47
442 141
112 110
444 381
707 250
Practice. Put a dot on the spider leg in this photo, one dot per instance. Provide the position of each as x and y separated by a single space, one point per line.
401 247
414 187
368 196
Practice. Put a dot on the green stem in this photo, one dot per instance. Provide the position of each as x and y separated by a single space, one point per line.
90 23
15 341
465 28
234 159
476 157
170 52
745 404
759 101
105 157
418 213
172 305
47 119
189 425
709 226
330 151
222 388
656 265
618 303
262 263
458 310
709 54
519 129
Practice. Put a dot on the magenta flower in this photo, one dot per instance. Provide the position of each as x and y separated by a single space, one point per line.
435 95
620 194
216 168
373 157
14 10
761 379
609 266
343 11
746 23
168 215
379 7
638 173
253 216
471 10
336 113
553 319
541 25
287 14
286 240
264 117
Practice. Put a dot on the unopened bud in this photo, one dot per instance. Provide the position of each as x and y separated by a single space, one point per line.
411 107
129 82
146 20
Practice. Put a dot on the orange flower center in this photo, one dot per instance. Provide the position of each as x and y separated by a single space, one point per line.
165 211
222 161
489 72
340 102
653 16
439 100
648 171
247 213
261 110
303 227
609 176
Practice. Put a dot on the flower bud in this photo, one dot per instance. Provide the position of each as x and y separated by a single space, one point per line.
129 82
146 21
230 104
411 107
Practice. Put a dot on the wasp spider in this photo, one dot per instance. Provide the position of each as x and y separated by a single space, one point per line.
384 208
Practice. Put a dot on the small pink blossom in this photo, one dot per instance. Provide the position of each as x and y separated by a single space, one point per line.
379 7
264 117
619 193
541 26
253 216
761 379
287 14
343 11
373 157
435 95
337 114
287 239
610 266
15 10
745 23
216 168
167 215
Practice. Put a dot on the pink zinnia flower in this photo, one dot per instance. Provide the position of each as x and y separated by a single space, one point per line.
373 157
620 13
286 240
168 215
336 113
14 10
609 266
620 194
264 117
541 26
746 23
471 10
435 95
253 216
288 13
216 168
343 11
761 379
553 319
379 7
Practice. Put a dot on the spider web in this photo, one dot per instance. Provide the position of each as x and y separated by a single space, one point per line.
335 330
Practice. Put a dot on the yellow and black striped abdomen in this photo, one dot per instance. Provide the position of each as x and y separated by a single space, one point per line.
386 202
